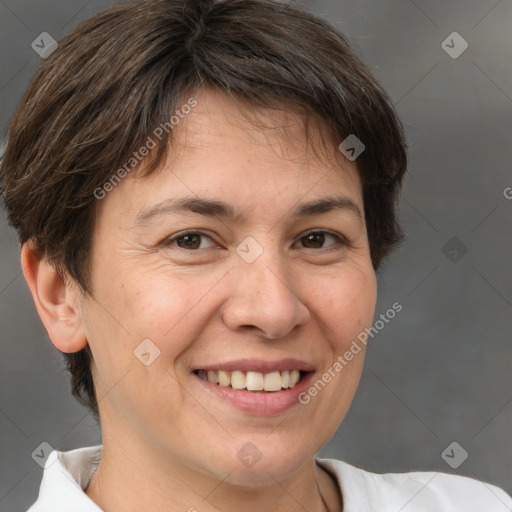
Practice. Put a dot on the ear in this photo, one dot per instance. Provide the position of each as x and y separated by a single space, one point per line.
56 301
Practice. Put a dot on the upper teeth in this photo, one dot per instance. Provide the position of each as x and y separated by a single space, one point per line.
252 381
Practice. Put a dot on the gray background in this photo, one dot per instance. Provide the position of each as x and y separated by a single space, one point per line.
437 373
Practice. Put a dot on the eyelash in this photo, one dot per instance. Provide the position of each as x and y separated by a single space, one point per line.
341 241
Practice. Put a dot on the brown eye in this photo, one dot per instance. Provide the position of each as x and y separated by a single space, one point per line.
189 241
316 239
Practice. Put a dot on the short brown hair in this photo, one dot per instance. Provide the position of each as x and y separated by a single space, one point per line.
119 74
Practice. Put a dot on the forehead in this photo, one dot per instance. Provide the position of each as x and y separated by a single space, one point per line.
227 149
223 120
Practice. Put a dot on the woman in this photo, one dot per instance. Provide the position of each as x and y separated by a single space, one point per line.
203 192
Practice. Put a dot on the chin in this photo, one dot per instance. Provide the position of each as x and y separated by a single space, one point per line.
259 460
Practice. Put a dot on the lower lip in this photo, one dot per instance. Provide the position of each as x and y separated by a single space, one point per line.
263 403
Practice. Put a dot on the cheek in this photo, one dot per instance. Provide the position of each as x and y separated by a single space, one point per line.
168 308
346 305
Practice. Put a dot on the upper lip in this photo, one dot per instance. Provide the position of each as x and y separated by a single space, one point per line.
259 365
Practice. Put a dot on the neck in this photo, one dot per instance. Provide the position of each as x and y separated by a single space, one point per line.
133 478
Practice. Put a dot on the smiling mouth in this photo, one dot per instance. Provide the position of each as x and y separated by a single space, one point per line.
253 381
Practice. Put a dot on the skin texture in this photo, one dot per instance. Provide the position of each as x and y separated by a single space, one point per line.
167 444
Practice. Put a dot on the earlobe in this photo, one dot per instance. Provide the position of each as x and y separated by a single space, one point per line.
55 300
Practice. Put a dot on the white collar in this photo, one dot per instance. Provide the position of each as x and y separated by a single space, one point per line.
67 475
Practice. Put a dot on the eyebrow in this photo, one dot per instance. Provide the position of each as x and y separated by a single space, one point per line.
215 208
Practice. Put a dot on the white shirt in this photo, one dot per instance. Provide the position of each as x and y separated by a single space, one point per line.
67 474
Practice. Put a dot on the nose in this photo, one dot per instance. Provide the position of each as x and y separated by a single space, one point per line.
263 299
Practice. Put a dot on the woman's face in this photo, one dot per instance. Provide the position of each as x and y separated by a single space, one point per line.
262 284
